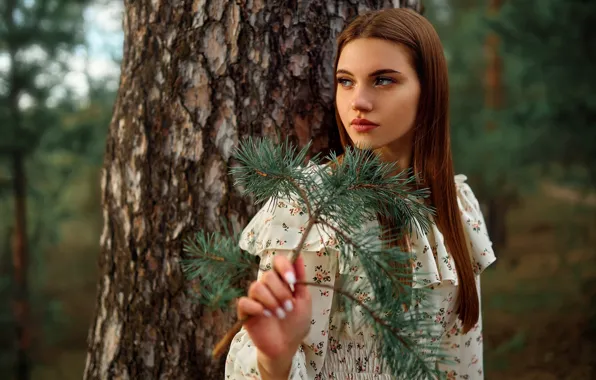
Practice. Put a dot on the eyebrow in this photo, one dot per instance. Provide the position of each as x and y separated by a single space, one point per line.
373 74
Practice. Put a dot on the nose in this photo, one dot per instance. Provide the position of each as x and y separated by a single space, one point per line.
361 101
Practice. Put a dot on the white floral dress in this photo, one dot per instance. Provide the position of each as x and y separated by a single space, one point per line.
333 349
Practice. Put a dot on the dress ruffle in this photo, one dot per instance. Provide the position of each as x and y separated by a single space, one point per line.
280 223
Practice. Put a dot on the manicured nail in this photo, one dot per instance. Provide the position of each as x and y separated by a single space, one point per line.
267 313
290 279
280 313
288 306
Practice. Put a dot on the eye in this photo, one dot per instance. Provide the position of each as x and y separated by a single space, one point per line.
383 81
344 82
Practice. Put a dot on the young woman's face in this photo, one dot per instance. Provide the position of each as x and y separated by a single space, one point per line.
377 82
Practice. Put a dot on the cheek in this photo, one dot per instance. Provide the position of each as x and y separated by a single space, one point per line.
341 99
343 105
404 106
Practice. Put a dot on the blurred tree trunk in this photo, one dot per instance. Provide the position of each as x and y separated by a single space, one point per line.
51 29
499 203
21 267
196 78
20 254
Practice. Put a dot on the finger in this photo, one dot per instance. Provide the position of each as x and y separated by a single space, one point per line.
279 288
248 307
284 267
261 293
301 290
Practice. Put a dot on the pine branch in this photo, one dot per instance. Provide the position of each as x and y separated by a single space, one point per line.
265 168
226 266
352 243
343 200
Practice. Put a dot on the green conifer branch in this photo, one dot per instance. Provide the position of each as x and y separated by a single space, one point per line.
343 200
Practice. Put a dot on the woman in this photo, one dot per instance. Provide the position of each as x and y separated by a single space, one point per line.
391 95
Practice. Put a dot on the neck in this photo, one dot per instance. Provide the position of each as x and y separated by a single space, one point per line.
400 153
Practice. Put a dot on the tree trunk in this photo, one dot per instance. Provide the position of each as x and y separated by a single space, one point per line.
21 265
20 253
494 68
499 204
496 222
197 77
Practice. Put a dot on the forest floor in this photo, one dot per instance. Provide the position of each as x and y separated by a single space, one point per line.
539 298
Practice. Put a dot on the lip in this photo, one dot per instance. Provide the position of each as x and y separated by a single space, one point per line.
363 125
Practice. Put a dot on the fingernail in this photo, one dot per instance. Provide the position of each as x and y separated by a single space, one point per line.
280 313
288 306
290 279
267 313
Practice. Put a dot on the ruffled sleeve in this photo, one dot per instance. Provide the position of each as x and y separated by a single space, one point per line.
481 248
277 228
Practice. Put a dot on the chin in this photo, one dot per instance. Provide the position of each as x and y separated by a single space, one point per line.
366 143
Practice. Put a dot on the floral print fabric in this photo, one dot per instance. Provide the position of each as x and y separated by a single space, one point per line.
336 350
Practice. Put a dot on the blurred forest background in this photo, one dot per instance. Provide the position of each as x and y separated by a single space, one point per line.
524 132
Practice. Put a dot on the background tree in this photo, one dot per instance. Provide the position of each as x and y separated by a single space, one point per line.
196 78
543 111
35 37
494 153
551 83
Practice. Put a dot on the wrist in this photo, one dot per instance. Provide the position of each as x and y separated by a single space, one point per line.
277 368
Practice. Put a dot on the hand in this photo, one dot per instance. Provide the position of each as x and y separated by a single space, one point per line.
279 319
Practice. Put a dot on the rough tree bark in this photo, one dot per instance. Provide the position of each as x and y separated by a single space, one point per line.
197 77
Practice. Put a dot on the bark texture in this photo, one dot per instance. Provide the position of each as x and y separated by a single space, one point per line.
197 77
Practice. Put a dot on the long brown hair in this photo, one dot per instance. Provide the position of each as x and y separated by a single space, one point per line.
431 160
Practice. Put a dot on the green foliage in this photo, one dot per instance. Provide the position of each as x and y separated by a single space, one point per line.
35 38
491 159
341 200
545 126
272 181
353 198
227 264
551 80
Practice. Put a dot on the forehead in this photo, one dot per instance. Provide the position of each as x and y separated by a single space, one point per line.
365 55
